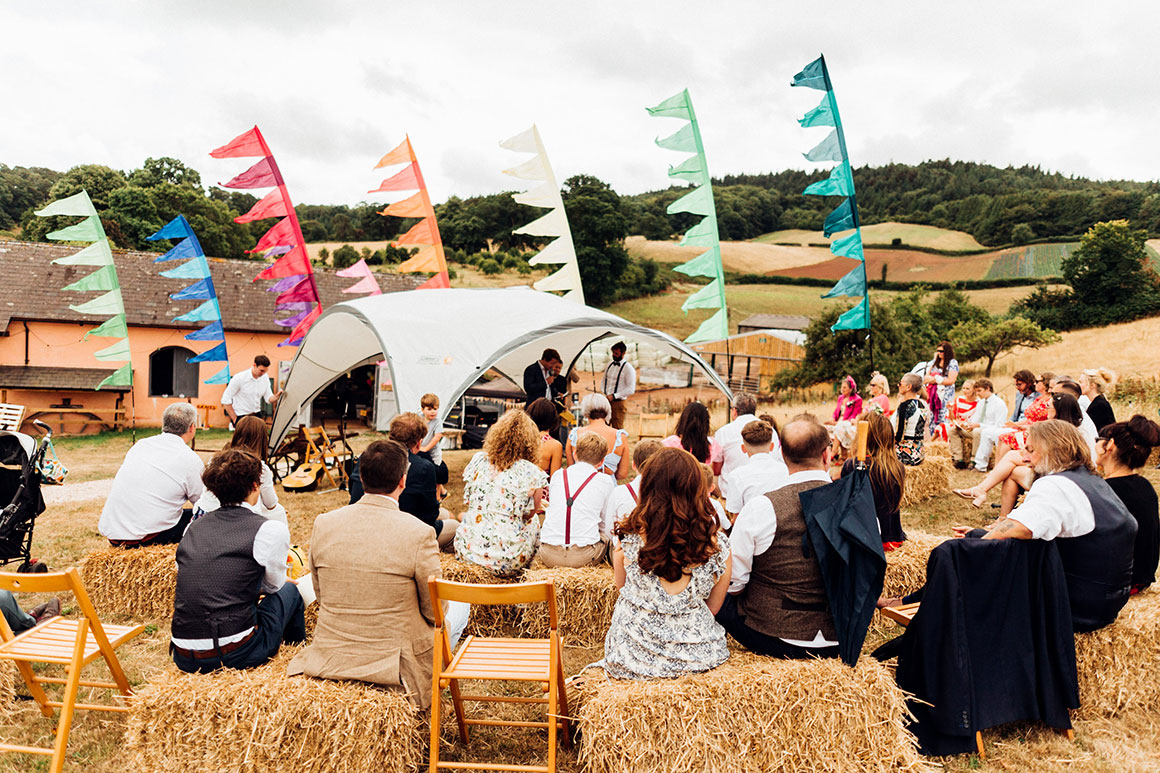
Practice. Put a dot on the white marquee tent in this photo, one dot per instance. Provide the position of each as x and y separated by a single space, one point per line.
443 341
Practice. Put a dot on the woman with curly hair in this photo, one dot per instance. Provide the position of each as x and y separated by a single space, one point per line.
502 486
672 567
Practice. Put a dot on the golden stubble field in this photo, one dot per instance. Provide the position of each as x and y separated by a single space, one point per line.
67 532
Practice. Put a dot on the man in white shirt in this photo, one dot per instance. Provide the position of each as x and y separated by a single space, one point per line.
763 473
729 438
619 384
990 414
578 524
624 498
248 389
777 602
159 475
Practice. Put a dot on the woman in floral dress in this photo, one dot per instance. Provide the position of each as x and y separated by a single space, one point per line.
673 568
941 374
1016 438
502 485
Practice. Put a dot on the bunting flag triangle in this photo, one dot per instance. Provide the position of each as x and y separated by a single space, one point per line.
708 297
412 206
401 154
405 179
561 250
852 284
270 205
117 351
857 318
177 228
425 260
196 291
420 233
715 328
206 312
122 376
88 230
109 303
183 250
101 280
221 377
190 269
96 254
366 277
78 205
211 332
260 175
698 201
248 143
216 354
113 327
293 263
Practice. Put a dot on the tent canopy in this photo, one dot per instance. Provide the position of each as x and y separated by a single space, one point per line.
442 341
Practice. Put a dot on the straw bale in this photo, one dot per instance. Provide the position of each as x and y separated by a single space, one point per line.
138 583
751 714
9 679
939 450
585 598
263 721
1119 665
906 564
485 620
932 478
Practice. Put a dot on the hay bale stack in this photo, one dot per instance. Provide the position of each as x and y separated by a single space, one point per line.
262 720
138 583
585 598
1119 665
485 620
932 478
752 714
9 679
906 564
938 450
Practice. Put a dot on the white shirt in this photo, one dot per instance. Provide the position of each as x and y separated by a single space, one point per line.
246 393
158 476
763 473
1084 402
1055 507
729 438
620 501
271 547
991 412
620 380
753 533
590 516
1088 429
722 516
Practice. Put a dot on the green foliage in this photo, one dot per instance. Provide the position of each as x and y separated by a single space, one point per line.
490 266
474 223
323 255
977 339
23 189
1022 233
345 256
599 227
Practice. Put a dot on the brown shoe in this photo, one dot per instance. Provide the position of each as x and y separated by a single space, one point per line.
48 609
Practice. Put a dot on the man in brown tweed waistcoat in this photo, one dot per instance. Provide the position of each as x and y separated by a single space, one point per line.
777 602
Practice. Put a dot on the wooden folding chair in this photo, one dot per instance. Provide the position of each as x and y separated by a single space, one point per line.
11 416
648 424
528 660
71 643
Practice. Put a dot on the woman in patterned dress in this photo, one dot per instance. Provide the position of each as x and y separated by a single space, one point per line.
1016 438
673 568
910 419
502 485
941 374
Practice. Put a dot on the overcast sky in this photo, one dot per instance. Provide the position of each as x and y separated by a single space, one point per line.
333 85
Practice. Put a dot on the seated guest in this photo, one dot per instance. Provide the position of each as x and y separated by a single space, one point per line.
1066 385
1014 435
369 563
159 475
672 568
693 435
1097 384
987 416
18 620
576 530
910 419
225 562
1095 533
714 493
596 410
777 603
762 473
547 419
1123 448
887 479
420 498
846 412
250 435
879 394
502 487
625 497
741 412
962 407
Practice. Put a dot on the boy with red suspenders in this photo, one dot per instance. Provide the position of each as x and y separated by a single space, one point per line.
575 531
624 498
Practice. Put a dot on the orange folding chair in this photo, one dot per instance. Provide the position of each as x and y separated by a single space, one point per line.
71 643
529 660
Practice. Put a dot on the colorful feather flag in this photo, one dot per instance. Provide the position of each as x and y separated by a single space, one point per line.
698 201
103 280
366 277
561 250
284 240
197 268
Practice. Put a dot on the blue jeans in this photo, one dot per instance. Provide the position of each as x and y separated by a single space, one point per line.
18 619
279 619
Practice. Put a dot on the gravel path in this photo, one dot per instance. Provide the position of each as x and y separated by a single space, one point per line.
76 492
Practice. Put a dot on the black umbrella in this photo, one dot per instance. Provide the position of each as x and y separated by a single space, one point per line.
843 530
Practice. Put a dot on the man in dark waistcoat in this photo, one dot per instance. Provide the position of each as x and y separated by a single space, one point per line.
225 561
777 602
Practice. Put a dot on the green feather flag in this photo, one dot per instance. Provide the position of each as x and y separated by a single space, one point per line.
103 280
698 201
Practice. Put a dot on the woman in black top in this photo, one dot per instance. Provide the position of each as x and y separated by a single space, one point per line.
1095 383
1121 449
887 478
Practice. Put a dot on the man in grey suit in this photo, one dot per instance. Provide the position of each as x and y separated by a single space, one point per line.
370 562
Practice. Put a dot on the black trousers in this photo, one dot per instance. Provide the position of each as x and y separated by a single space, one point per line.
280 618
755 641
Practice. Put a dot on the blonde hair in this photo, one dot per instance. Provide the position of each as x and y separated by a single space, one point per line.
1061 445
590 448
1103 379
880 381
512 438
968 384
595 406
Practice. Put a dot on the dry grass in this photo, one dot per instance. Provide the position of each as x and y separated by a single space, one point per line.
927 480
263 720
913 235
585 598
751 713
754 257
139 582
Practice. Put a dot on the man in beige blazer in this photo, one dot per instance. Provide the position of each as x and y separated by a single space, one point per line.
370 562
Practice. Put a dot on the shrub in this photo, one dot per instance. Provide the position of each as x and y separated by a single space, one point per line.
489 266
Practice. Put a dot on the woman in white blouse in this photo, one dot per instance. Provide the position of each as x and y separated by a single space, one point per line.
250 435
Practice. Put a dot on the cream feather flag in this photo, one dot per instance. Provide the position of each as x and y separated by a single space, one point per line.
561 250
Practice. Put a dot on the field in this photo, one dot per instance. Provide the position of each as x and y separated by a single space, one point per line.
741 257
921 236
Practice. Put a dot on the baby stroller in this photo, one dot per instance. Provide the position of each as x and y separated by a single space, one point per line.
21 457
